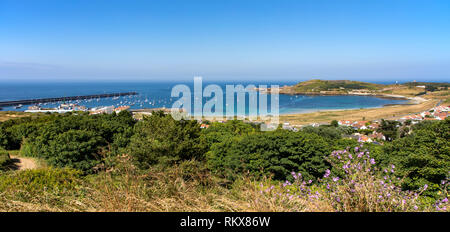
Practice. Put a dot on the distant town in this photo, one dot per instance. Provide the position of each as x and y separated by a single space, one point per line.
71 107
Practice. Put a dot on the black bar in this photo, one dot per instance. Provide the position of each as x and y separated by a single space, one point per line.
228 222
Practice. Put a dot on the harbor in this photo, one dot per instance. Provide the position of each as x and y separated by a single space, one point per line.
20 103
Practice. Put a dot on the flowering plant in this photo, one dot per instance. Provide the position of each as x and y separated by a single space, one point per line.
357 186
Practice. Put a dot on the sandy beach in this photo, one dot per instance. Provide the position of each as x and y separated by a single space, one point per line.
388 112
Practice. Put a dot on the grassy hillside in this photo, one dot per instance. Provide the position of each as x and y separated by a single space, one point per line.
114 163
434 84
334 85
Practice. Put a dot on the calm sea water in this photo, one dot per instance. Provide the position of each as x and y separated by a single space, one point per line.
157 94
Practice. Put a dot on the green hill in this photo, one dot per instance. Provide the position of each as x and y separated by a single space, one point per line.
334 85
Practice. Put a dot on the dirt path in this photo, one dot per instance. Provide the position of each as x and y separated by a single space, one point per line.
22 163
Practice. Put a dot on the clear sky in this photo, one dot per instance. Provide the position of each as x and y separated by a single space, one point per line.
372 40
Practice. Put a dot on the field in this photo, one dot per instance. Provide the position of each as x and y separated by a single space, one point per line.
6 115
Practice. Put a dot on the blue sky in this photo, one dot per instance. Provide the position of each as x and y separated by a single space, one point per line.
224 40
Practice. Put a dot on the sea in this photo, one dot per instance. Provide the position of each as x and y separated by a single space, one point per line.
157 94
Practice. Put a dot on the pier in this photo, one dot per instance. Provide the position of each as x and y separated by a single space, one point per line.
57 99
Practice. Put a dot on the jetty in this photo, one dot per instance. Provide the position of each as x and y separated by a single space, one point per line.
57 99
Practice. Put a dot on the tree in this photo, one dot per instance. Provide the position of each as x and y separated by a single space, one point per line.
217 132
430 88
160 138
334 123
389 129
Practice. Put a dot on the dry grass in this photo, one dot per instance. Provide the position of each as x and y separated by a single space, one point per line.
177 190
174 189
403 90
181 188
440 95
6 115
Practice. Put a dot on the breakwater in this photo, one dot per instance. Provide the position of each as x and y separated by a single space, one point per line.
57 99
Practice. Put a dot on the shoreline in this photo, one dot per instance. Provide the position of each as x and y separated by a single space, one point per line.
411 101
369 114
387 111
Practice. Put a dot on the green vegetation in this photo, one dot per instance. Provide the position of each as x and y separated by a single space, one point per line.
277 153
76 141
331 133
334 85
35 181
114 163
160 138
389 129
429 86
5 160
422 157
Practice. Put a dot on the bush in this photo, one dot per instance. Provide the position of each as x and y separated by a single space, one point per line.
73 141
40 180
74 149
278 153
360 187
5 160
330 133
218 132
422 157
389 129
160 138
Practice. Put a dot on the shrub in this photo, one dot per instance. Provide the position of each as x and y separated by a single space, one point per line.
218 132
422 157
75 140
277 153
389 129
40 180
324 131
5 160
74 149
360 187
160 138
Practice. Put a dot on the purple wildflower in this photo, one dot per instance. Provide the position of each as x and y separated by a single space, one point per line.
327 173
294 175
